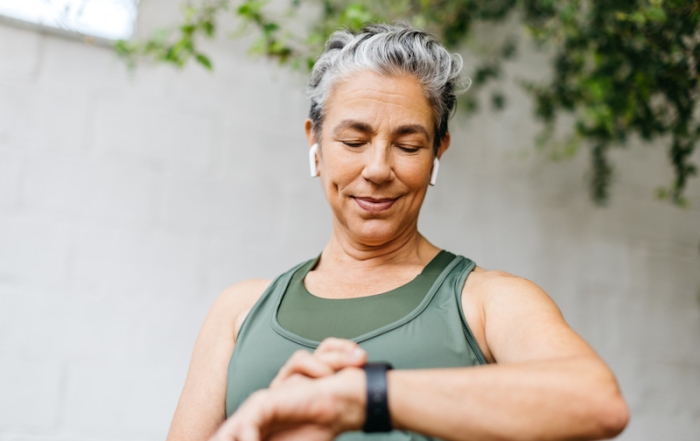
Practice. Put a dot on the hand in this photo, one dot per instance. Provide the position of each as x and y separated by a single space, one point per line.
332 355
300 409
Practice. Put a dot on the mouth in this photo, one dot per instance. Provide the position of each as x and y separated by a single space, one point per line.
372 205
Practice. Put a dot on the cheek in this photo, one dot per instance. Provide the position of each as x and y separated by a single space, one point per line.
414 173
340 170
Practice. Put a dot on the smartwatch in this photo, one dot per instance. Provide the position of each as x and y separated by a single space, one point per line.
377 414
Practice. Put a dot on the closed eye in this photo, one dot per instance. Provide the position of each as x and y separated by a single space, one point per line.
353 143
409 149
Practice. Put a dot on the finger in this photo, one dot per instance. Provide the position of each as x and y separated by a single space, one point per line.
337 344
352 350
339 359
251 419
302 362
249 433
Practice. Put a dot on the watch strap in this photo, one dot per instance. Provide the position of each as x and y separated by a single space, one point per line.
377 418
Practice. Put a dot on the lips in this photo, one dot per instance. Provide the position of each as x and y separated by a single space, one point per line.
373 205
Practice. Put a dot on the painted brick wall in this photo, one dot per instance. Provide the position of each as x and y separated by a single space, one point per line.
128 202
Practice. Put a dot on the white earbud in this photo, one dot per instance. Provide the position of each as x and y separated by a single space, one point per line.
312 160
436 167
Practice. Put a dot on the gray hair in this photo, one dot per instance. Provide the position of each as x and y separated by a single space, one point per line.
389 50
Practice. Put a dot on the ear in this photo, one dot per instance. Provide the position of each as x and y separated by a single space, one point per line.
444 145
313 153
309 130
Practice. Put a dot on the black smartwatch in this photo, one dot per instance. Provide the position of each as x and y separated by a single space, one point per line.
377 418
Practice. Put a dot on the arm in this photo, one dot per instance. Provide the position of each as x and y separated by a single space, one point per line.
201 408
548 383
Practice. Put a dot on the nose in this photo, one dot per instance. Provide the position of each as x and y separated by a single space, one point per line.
378 167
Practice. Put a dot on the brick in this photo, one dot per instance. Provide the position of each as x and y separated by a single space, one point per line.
75 64
31 392
153 135
19 53
47 119
665 335
115 262
57 435
27 321
651 427
272 156
60 120
18 105
34 252
105 193
605 264
205 204
10 175
58 324
123 399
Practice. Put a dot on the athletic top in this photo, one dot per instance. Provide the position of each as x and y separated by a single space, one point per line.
434 334
348 318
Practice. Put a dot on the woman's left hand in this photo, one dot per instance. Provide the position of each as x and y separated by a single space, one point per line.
332 355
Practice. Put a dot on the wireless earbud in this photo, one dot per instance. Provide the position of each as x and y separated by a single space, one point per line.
433 176
312 160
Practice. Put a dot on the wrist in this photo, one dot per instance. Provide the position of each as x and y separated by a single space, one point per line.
349 390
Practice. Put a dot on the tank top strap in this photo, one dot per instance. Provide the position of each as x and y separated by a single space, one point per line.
268 295
435 334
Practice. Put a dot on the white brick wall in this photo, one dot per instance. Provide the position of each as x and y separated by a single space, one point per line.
128 202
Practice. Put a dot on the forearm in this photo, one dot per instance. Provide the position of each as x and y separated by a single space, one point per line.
573 398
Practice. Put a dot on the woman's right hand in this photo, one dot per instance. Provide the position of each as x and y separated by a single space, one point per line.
332 355
296 407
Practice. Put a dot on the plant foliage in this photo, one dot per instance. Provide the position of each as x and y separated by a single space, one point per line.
621 68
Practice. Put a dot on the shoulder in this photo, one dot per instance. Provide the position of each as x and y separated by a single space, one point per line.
241 294
493 286
499 305
234 301
517 320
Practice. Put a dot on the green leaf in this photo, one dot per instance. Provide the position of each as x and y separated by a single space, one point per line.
655 13
622 69
204 61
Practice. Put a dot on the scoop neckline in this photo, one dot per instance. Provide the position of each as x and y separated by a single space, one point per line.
389 293
366 336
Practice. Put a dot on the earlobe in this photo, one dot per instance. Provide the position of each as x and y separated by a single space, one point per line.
434 174
312 160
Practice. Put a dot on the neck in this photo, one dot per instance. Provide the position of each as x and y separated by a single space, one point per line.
347 251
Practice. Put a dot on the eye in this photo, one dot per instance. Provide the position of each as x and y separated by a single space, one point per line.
408 148
353 143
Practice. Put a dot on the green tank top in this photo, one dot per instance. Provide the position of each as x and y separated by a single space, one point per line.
434 334
348 318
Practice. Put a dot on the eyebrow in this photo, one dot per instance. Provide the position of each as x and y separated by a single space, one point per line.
366 128
410 129
352 124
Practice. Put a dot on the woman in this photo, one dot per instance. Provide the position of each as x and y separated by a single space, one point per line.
477 354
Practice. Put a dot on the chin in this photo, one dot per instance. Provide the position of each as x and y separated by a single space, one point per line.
375 232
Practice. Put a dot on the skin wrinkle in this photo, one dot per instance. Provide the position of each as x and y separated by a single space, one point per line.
408 129
390 173
548 384
318 131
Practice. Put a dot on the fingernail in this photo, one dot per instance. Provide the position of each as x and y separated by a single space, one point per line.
357 354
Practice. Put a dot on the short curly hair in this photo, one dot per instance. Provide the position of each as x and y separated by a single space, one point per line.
397 49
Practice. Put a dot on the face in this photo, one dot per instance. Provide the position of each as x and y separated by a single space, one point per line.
376 155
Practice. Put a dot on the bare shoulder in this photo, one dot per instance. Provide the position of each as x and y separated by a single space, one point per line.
235 301
478 291
489 286
241 295
512 318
